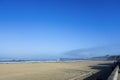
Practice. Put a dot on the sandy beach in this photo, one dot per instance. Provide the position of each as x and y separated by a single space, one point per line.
49 71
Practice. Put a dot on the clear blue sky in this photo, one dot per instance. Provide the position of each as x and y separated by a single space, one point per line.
50 27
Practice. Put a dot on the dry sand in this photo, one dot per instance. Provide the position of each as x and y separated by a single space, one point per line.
48 71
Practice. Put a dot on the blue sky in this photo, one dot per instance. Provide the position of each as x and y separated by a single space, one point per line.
42 28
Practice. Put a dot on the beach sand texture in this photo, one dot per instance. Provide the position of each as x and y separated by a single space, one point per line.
48 71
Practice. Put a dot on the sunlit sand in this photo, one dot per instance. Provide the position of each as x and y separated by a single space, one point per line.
48 71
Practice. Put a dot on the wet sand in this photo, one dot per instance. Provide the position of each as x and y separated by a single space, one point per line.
49 71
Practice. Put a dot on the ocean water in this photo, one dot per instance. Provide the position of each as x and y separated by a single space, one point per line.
8 61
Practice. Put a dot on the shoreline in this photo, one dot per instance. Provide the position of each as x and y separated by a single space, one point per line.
17 62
